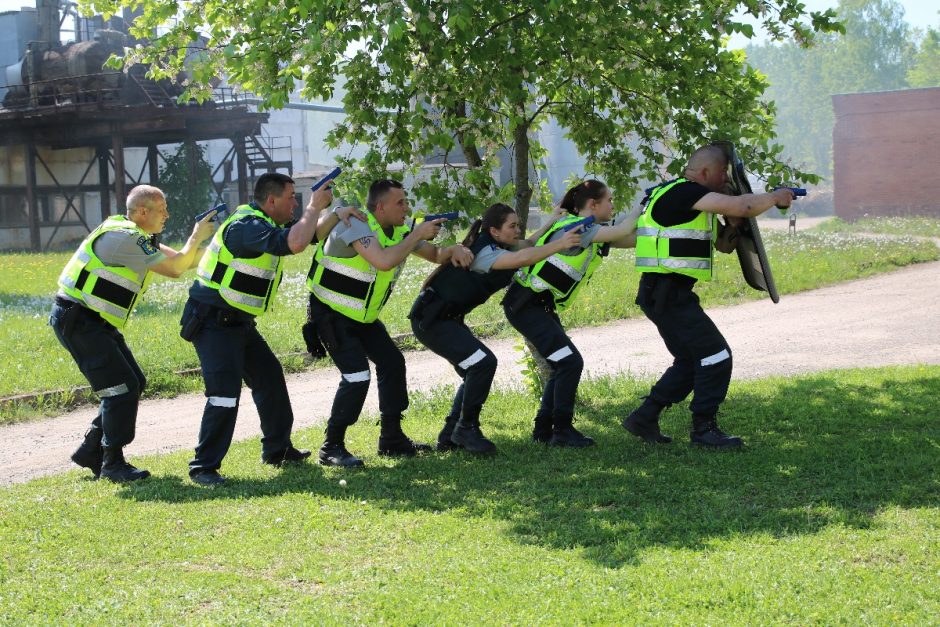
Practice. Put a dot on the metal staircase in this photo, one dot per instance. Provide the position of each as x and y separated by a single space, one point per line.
266 154
153 92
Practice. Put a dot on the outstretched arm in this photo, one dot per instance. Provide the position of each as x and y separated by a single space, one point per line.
458 254
179 261
387 258
745 205
556 215
534 254
301 234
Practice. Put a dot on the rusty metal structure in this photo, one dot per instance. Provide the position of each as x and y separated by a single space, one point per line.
66 100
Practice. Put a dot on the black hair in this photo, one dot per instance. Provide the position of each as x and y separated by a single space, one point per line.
378 189
494 217
270 184
576 197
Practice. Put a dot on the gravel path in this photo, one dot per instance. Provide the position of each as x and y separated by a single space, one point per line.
888 319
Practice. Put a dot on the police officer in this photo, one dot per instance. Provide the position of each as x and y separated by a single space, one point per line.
449 294
676 239
539 291
352 277
237 280
98 289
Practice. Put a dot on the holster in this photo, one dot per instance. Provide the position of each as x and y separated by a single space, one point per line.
67 320
517 297
428 308
664 287
323 324
312 336
194 316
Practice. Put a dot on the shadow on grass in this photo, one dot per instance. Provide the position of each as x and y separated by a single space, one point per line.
821 450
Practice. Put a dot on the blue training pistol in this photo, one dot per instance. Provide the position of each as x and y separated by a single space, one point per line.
451 215
332 174
221 212
586 222
797 191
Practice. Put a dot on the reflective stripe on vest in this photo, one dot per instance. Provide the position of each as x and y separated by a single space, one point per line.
111 291
683 249
561 275
351 285
248 285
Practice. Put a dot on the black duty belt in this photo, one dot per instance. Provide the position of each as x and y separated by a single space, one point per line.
225 316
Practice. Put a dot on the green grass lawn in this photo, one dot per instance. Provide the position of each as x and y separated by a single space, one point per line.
915 225
38 363
830 515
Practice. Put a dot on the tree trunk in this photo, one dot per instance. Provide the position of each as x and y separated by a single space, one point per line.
520 176
520 180
467 145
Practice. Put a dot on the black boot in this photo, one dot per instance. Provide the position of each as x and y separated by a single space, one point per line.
289 455
542 429
644 422
116 468
564 434
89 453
394 443
333 452
467 434
443 438
705 432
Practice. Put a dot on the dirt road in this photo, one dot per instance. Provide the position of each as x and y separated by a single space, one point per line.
889 319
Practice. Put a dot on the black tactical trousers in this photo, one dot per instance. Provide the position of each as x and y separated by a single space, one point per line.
701 356
103 357
543 329
473 361
352 345
230 350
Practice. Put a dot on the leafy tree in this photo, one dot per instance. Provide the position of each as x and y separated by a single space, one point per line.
874 54
186 181
925 71
638 85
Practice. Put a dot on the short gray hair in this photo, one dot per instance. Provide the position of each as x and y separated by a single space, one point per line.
143 196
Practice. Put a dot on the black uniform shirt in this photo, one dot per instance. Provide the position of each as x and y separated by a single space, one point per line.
675 206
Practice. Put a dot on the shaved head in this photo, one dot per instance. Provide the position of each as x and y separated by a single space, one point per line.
708 166
707 157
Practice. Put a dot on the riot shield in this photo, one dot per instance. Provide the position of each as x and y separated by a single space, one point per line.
750 247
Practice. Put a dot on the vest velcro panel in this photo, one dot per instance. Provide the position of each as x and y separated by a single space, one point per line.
556 277
219 272
247 284
336 282
113 293
689 248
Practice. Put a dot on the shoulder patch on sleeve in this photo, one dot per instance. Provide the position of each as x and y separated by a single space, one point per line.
147 245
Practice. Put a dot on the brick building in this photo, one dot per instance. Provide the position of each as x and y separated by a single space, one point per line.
886 153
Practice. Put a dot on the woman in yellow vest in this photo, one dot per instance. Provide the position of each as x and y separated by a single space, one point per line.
449 294
539 291
676 240
98 290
